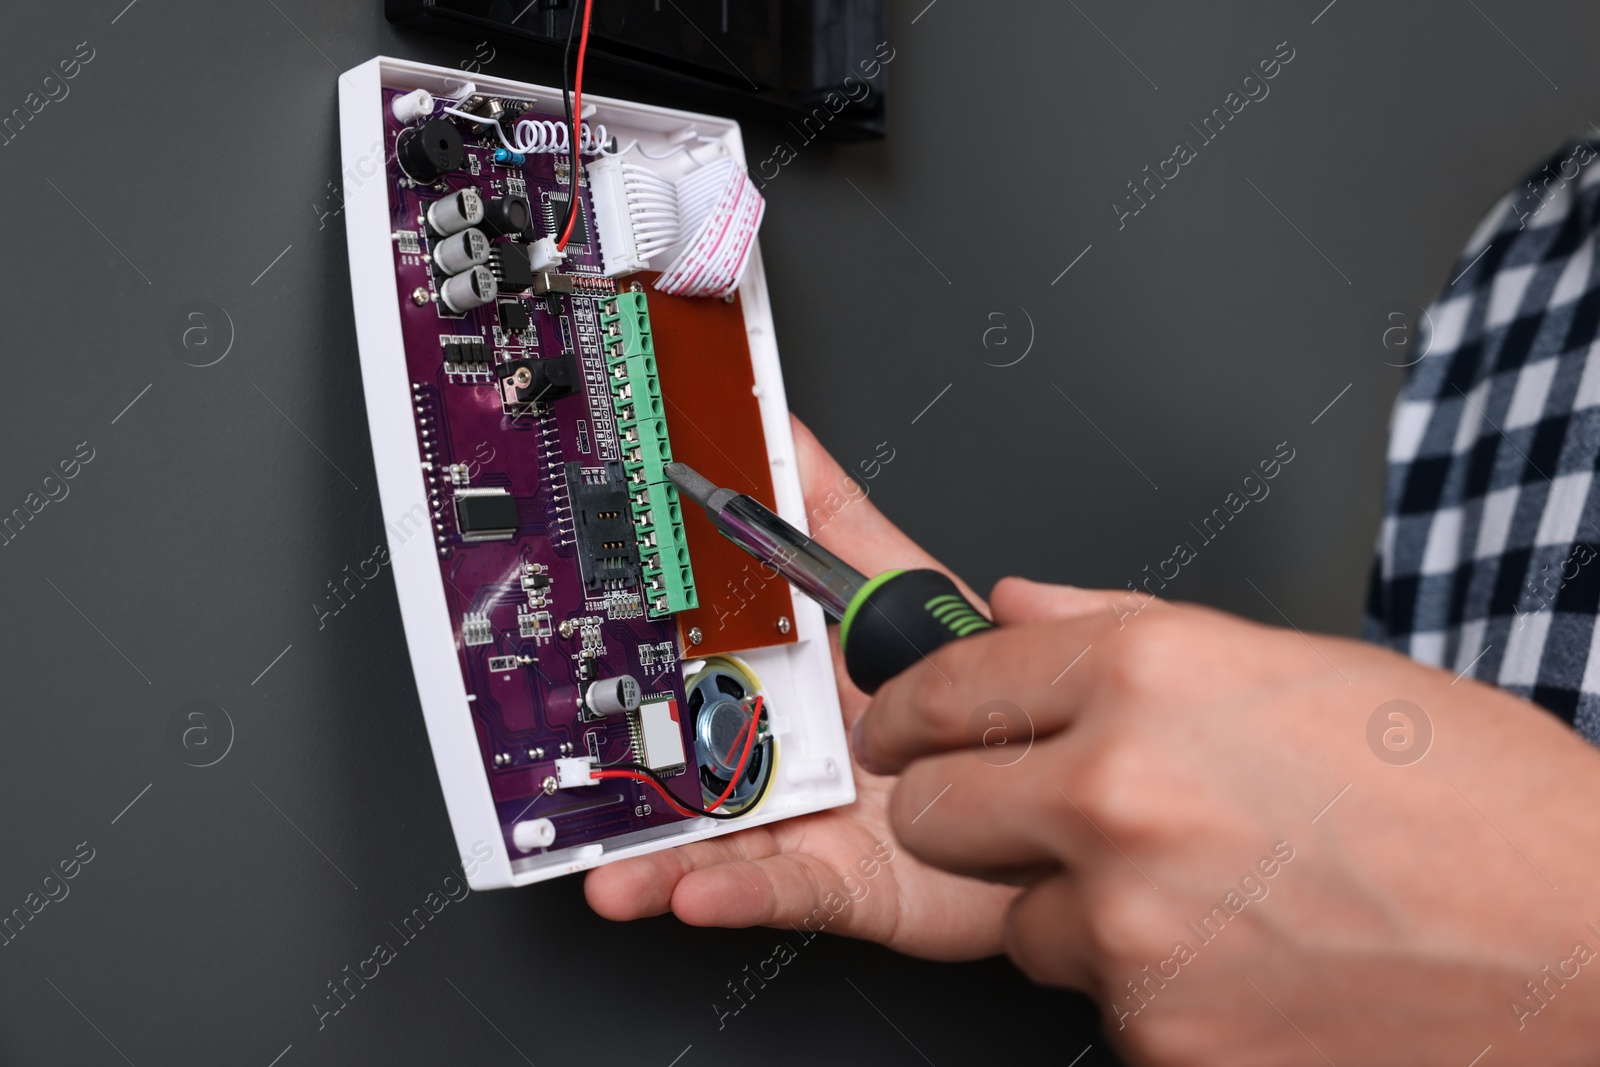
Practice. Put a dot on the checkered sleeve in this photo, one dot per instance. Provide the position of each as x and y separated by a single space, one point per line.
1486 560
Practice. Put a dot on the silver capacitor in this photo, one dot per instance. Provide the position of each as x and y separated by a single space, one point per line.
463 251
612 696
455 213
468 290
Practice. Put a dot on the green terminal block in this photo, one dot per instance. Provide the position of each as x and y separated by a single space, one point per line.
663 550
626 318
646 449
641 419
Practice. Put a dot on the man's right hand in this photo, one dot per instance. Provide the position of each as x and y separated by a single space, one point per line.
781 874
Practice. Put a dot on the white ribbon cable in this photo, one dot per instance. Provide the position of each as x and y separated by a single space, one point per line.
722 208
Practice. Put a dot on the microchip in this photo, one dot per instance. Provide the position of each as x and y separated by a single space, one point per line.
512 268
608 554
555 216
486 514
514 316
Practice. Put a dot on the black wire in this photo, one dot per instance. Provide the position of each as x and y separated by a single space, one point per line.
755 802
566 98
626 752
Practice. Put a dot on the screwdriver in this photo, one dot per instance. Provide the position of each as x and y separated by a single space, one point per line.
886 623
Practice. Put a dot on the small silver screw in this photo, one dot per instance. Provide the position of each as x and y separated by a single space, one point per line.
549 785
695 636
784 626
728 299
565 629
419 296
633 287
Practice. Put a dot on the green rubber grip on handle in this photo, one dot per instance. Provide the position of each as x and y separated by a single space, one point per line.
899 618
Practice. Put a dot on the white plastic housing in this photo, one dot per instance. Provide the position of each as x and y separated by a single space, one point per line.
413 106
533 833
797 679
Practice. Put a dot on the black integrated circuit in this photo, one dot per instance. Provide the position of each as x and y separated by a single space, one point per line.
555 216
512 268
486 514
608 554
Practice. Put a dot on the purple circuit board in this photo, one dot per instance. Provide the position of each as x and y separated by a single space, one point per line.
529 632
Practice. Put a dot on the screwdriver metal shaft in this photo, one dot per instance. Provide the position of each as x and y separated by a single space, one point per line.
818 573
886 624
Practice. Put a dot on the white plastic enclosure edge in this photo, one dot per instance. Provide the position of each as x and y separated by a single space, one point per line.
798 678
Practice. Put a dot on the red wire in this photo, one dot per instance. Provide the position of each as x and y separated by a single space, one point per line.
738 739
751 730
652 783
744 760
577 126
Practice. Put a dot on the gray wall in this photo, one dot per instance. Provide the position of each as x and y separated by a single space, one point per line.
199 143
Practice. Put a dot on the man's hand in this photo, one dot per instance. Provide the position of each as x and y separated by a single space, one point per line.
1205 829
781 874
1214 849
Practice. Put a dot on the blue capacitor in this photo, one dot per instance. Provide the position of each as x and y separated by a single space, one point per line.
504 156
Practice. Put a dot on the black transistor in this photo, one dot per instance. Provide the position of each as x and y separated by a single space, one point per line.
514 316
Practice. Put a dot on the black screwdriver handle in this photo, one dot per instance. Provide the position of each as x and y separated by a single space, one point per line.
897 619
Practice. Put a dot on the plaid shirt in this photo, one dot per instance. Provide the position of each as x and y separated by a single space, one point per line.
1487 557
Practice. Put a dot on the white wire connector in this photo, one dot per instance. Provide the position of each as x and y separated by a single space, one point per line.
635 214
544 255
575 771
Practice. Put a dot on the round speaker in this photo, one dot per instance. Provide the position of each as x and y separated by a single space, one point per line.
722 696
